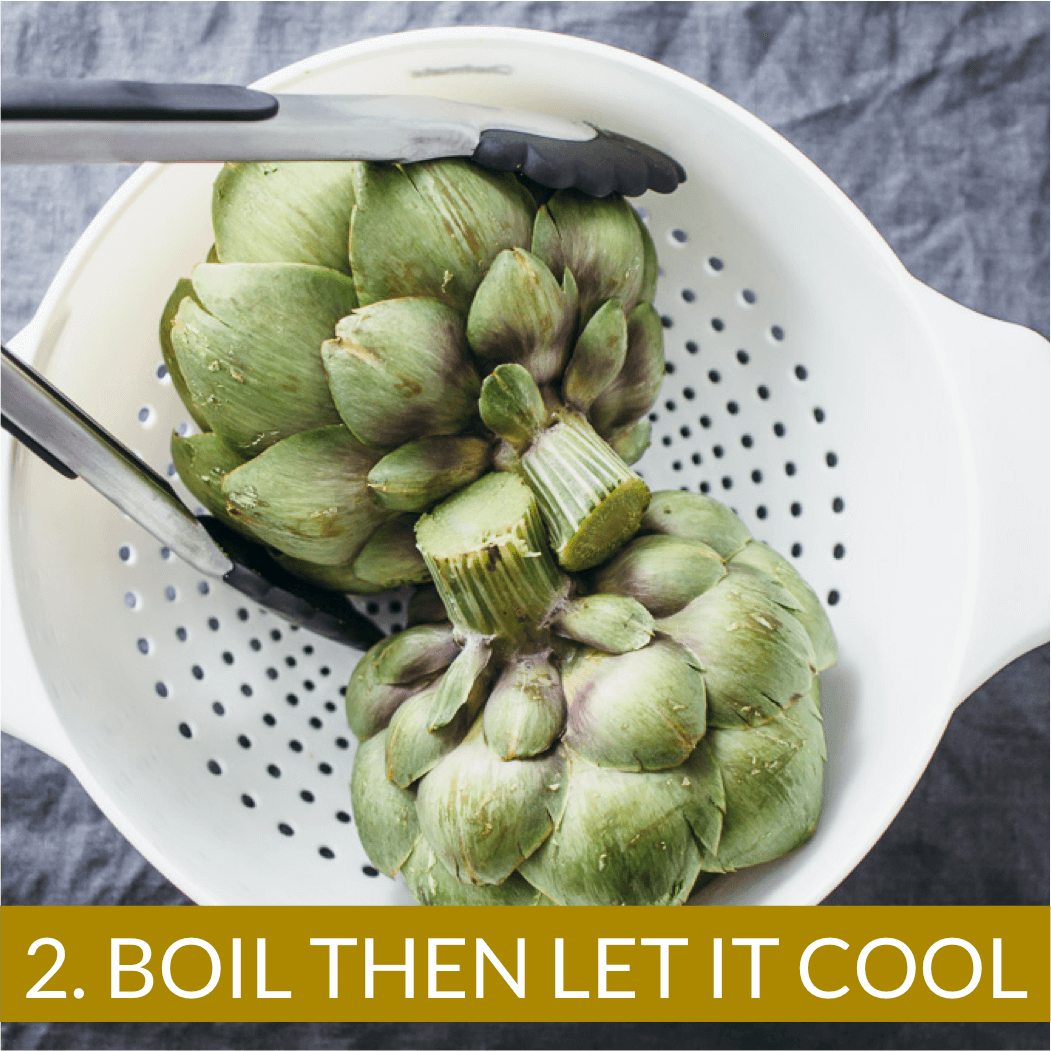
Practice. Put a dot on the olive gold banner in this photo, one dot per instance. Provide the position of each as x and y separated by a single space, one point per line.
125 964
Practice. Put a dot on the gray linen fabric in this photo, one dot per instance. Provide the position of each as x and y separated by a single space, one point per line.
932 117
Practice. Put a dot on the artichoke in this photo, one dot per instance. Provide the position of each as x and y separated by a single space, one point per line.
616 737
366 339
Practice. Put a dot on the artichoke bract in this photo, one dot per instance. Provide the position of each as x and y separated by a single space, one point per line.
615 737
386 308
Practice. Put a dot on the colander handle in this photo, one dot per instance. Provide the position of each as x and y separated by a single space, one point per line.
1001 372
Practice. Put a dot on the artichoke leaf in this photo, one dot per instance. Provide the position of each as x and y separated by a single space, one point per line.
611 623
461 681
247 346
482 814
636 386
757 657
520 314
418 474
624 839
598 356
696 517
390 558
203 461
432 883
526 711
416 652
413 747
643 710
663 572
183 289
307 496
773 777
433 229
630 441
399 370
384 813
808 608
335 578
370 704
284 212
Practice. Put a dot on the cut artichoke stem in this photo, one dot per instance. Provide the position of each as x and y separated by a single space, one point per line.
487 552
592 502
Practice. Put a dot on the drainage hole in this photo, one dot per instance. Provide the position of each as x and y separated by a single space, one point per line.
325 768
269 719
307 796
248 801
779 430
717 451
819 415
760 512
218 708
777 332
296 746
666 321
715 263
145 414
688 295
213 623
273 770
691 347
670 406
242 614
228 657
124 553
255 645
746 441
704 487
131 600
666 440
291 661
369 871
342 742
838 551
330 706
742 357
705 421
718 324
275 635
162 372
689 393
695 458
790 469
684 431
143 645
286 829
161 688
757 477
214 767
343 816
271 673
170 593
315 722
679 236
197 672
748 296
800 372
733 408
244 741
797 550
326 852
714 376
184 729
831 459
292 699
203 587
763 392
796 509
324 671
833 597
308 685
308 650
838 505
676 465
246 689
727 482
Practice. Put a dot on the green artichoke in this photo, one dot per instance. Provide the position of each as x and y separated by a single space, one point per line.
615 738
344 350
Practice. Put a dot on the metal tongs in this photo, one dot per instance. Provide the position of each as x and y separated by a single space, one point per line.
57 122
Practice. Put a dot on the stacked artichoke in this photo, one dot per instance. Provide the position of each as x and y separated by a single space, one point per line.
605 697
337 388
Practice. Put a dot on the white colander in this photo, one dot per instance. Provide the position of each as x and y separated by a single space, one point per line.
893 444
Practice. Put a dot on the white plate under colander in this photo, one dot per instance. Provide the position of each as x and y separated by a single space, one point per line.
893 444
